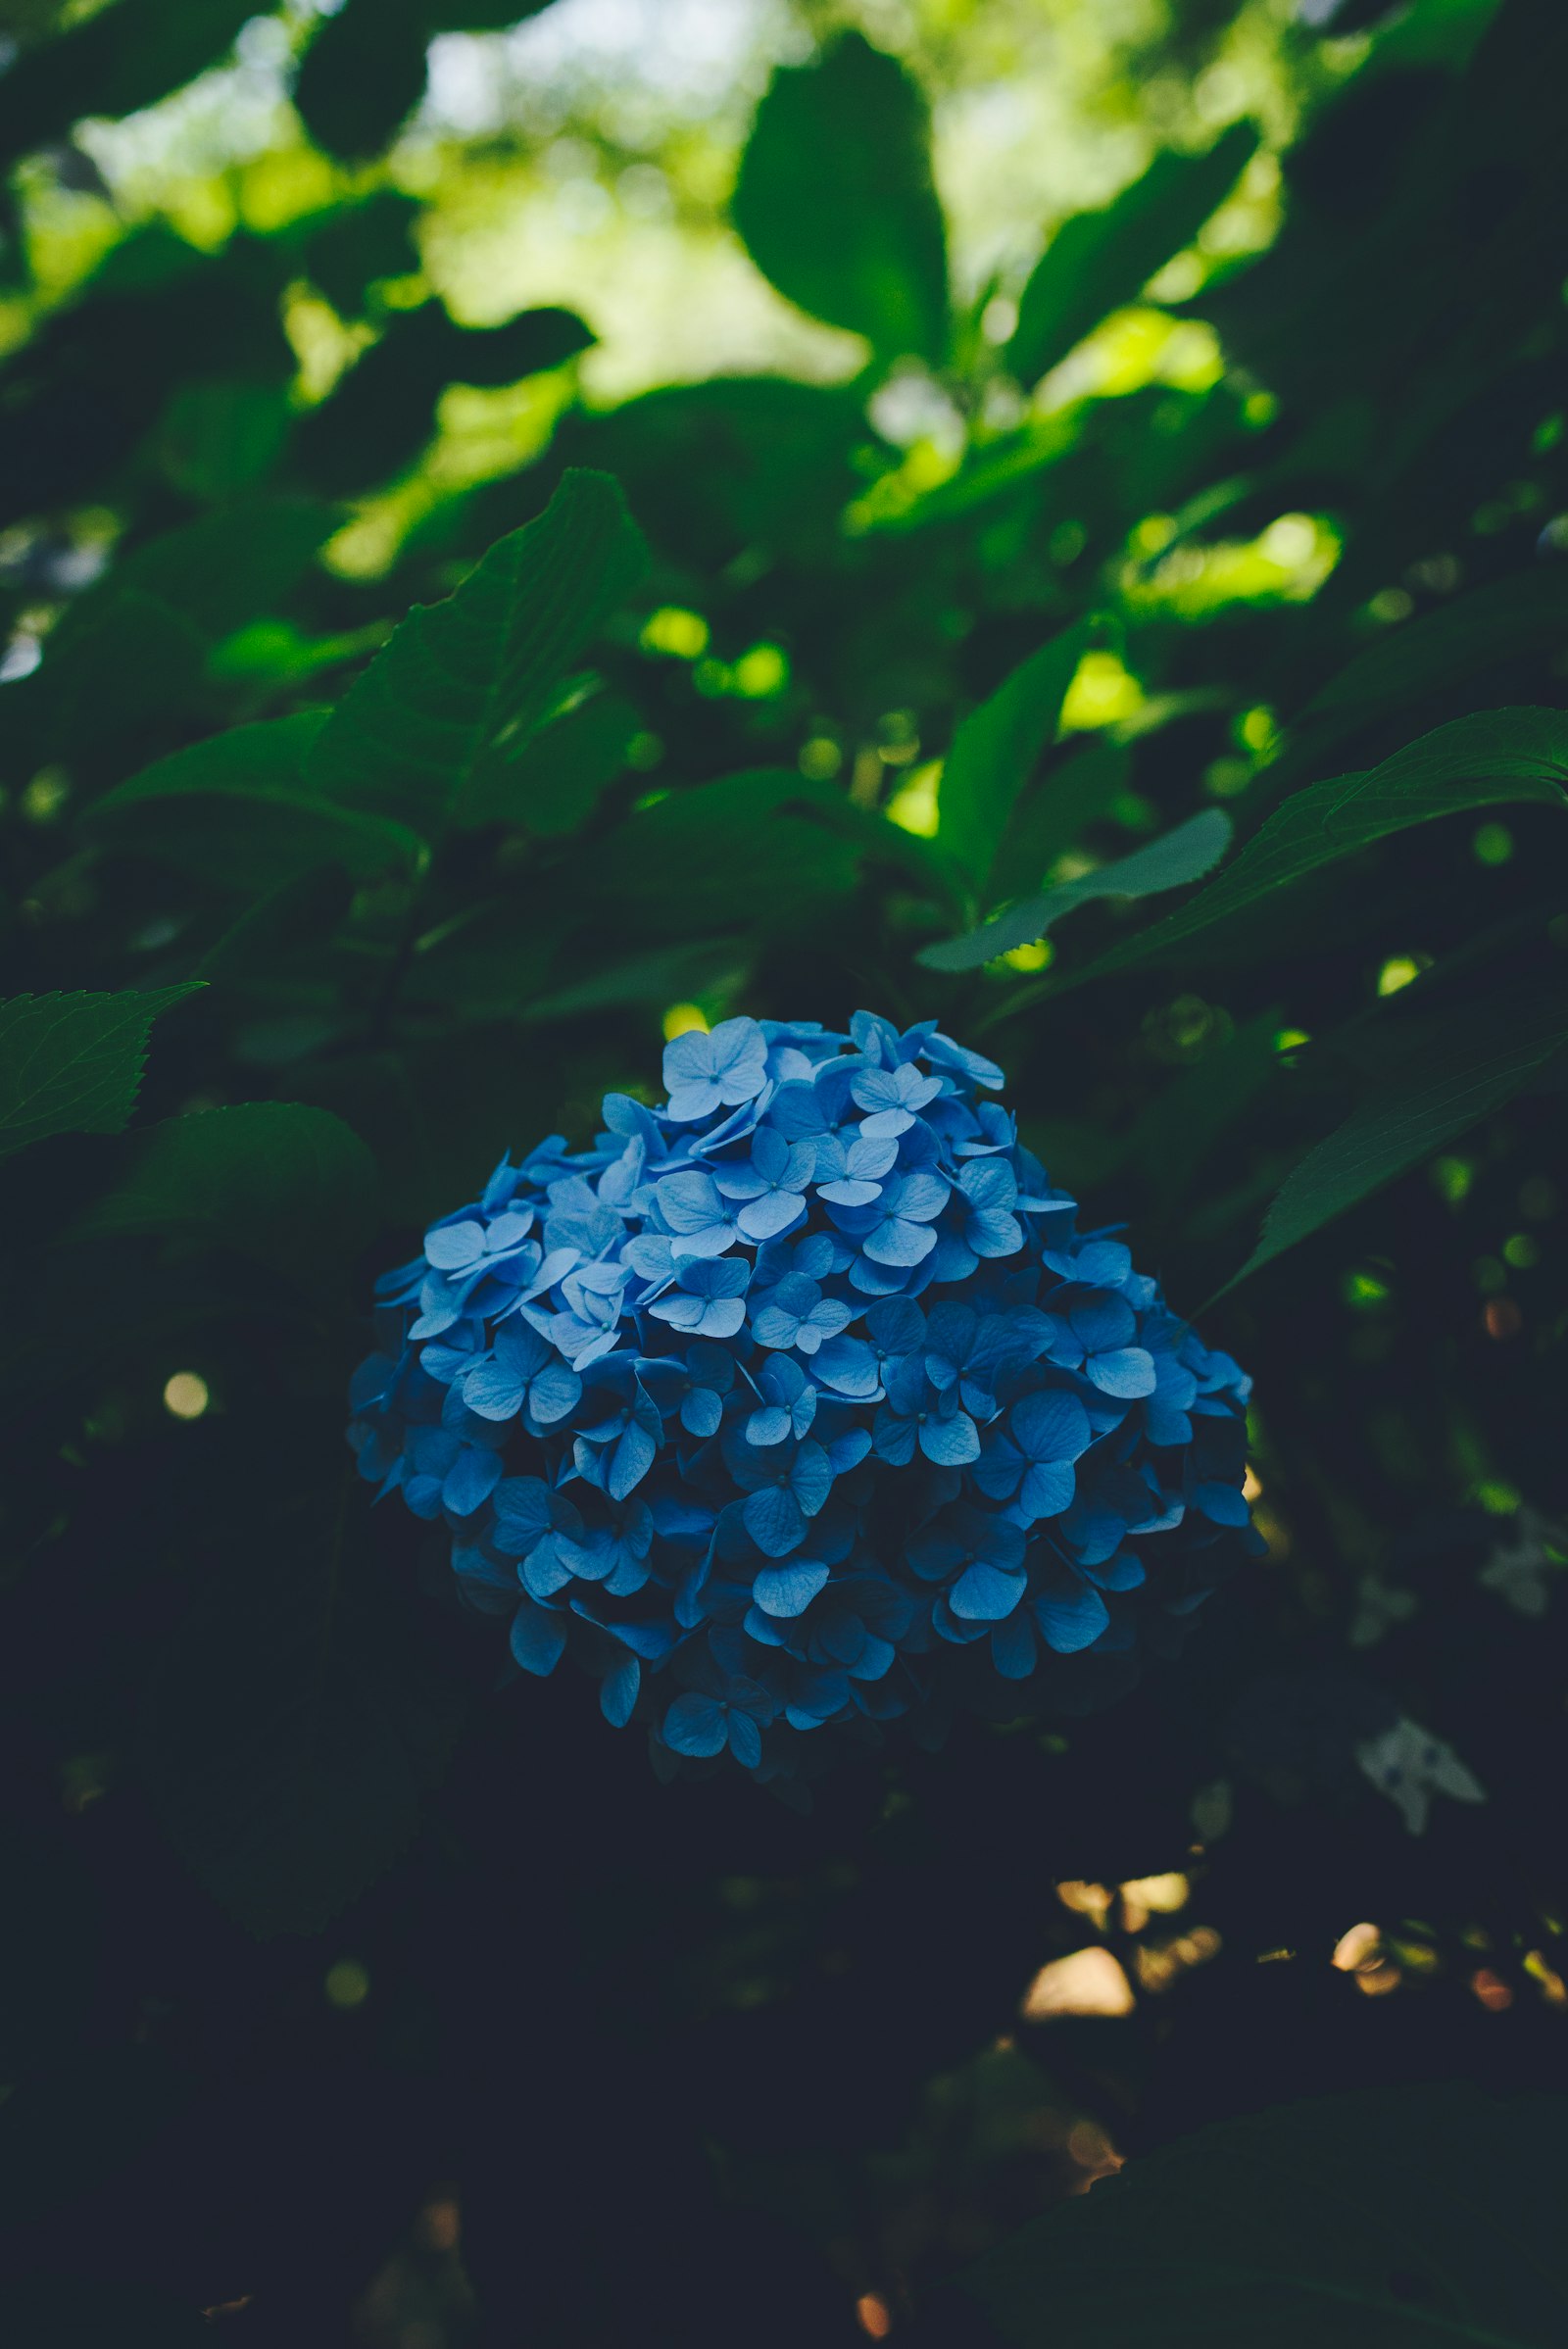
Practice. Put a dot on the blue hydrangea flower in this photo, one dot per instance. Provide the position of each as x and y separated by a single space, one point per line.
800 1407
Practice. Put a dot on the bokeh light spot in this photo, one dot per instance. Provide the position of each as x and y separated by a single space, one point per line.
186 1395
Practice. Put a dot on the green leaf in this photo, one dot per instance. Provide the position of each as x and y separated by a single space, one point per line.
1177 1132
216 574
554 782
1506 622
449 702
1184 854
1098 261
383 411
120 58
771 849
289 1184
1395 2219
668 975
1498 754
1076 791
298 1721
1441 1076
836 204
996 748
236 810
71 1063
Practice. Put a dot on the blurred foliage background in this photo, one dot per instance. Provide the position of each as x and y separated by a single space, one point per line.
345 1995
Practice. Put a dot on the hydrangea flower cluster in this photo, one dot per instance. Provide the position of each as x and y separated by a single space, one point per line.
801 1404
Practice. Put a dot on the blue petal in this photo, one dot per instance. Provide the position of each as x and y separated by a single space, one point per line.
695 1726
617 1693
787 1591
983 1593
1128 1373
745 1741
1223 1504
849 1367
774 1521
1071 1616
538 1637
473 1477
950 1443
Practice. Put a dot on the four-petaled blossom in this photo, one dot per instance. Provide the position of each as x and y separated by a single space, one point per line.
720 1069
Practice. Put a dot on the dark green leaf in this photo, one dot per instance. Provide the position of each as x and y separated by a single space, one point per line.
365 70
770 849
552 785
1184 854
216 574
454 697
1510 620
383 411
237 811
670 974
298 1722
1400 2218
1445 1075
120 58
1181 1128
361 75
836 203
351 248
1053 815
998 746
1498 754
132 661
276 1180
71 1063
1098 261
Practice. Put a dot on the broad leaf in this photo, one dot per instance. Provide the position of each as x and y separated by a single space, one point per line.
216 573
298 1721
276 1180
1098 261
114 62
236 810
553 784
836 203
1498 754
383 411
1445 1073
452 698
1399 2219
1076 790
71 1063
1184 854
996 748
1510 620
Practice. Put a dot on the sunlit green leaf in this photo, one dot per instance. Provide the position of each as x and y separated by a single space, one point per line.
835 199
998 746
1098 261
1184 854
